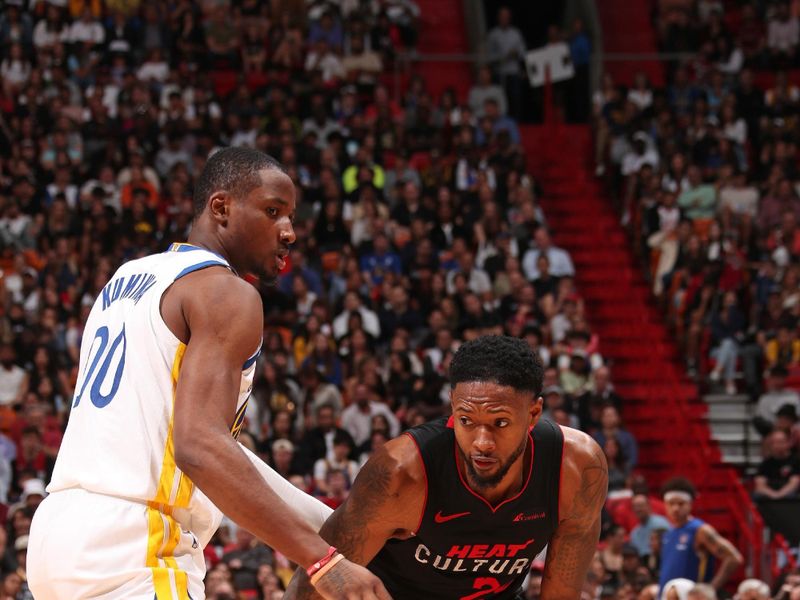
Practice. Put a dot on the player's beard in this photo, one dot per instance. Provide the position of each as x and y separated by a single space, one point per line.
486 482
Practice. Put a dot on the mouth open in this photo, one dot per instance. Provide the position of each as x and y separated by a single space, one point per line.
483 463
280 260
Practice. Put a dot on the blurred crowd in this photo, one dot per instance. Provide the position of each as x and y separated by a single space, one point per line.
705 174
705 171
418 228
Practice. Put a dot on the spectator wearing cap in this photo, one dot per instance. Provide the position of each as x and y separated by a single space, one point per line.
610 425
647 524
776 396
778 475
574 376
560 261
555 399
283 457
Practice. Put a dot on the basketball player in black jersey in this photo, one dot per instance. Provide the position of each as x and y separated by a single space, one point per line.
458 508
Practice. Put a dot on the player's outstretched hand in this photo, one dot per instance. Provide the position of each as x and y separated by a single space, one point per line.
349 581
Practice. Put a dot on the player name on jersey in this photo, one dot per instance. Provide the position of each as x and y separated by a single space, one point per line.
130 286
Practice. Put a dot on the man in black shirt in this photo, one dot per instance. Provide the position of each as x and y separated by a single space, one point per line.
779 473
460 508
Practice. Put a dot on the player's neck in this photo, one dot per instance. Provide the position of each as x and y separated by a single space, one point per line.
201 239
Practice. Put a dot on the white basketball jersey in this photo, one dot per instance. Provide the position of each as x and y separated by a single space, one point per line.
118 440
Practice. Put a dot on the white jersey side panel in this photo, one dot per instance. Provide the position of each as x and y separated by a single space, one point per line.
118 440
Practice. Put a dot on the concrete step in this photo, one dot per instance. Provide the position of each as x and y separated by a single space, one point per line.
733 427
726 398
728 411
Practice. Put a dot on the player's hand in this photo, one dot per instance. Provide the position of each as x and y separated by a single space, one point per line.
349 581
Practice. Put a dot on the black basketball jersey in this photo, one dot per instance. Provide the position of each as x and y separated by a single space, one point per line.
465 549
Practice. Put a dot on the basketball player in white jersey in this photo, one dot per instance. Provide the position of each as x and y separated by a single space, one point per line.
150 461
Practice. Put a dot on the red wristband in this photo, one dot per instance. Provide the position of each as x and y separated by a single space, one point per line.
321 562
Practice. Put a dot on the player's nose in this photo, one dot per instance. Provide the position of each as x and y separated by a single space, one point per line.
287 234
484 440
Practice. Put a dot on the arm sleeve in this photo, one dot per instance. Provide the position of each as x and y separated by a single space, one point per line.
311 509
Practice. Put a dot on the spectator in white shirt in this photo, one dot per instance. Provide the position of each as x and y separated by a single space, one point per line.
483 90
641 94
357 418
321 58
337 461
15 69
783 33
51 29
776 397
369 319
13 378
560 261
87 30
642 153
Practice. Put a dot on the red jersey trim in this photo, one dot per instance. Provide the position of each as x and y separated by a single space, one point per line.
561 473
425 473
524 487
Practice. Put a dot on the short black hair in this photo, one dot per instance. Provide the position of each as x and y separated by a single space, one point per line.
234 169
500 359
679 484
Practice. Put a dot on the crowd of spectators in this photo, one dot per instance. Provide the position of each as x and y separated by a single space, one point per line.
418 228
705 175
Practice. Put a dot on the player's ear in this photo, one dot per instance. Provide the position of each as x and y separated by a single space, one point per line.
219 206
536 410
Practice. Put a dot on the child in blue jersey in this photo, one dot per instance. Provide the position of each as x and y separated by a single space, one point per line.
691 547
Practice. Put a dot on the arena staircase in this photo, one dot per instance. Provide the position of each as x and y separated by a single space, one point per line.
627 31
662 408
442 33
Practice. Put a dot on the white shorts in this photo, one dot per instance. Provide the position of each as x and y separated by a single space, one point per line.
85 545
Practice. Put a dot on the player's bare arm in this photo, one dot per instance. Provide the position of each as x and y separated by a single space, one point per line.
222 323
584 485
386 502
708 540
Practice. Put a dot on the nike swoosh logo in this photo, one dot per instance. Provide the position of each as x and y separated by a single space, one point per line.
440 518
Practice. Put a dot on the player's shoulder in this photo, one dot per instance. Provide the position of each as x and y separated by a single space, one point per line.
578 443
218 286
581 454
396 466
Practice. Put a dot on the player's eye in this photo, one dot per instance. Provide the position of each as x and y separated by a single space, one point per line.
501 423
272 211
465 421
